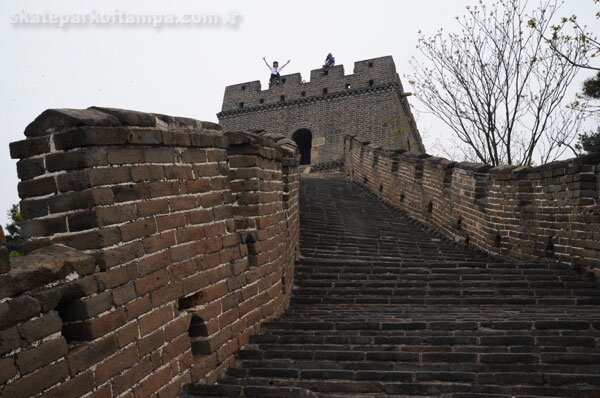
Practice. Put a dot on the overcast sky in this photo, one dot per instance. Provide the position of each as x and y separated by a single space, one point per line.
182 70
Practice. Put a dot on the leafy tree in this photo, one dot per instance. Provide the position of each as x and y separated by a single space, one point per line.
591 87
590 142
498 85
14 239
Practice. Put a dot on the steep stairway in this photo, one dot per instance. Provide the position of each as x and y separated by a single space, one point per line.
385 307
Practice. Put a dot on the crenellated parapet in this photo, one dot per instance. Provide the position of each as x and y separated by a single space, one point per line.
326 107
369 76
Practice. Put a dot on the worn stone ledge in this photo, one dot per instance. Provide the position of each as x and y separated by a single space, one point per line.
42 267
55 120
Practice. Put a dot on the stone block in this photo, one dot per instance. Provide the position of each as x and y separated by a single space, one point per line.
55 120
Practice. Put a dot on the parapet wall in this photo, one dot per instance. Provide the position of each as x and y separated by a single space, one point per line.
371 101
159 245
367 74
550 212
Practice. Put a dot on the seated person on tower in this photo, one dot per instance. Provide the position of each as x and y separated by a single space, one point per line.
275 70
329 62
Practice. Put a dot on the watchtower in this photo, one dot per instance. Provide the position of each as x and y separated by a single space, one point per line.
317 114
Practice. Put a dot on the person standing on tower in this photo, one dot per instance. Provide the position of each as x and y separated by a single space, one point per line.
275 71
329 62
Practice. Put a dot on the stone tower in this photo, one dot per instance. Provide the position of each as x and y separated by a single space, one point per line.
317 114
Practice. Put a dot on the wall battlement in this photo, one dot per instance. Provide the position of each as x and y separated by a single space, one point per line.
157 246
318 113
549 212
367 75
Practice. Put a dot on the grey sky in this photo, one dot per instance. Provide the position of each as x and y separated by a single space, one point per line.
183 70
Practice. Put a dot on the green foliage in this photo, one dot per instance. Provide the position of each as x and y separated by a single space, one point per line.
589 142
591 87
14 239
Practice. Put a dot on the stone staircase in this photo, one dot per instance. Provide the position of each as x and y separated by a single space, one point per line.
383 306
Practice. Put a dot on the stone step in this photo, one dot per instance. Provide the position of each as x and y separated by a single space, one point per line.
555 324
485 385
383 306
255 391
393 360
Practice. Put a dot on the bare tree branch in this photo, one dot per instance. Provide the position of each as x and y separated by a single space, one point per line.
498 85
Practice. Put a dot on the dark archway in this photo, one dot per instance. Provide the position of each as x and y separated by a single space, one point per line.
303 138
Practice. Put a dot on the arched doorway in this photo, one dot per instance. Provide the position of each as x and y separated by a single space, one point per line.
303 139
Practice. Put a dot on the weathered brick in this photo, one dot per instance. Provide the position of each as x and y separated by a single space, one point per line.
38 187
124 294
138 307
155 319
178 327
147 173
32 208
86 355
74 387
138 229
116 214
116 364
127 334
153 207
41 327
37 382
125 155
95 328
153 383
120 255
7 369
151 342
151 282
80 200
166 294
9 340
47 352
132 376
44 227
18 309
159 242
29 147
77 159
130 192
86 307
108 176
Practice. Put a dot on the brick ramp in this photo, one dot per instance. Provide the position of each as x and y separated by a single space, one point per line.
385 307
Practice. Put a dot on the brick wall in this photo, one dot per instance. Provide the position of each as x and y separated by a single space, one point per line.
157 244
371 101
549 212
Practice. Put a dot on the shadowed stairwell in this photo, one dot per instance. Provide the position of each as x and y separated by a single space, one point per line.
384 307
